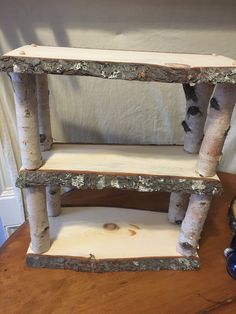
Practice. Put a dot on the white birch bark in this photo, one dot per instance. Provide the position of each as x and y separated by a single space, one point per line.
197 100
218 123
42 93
53 196
27 119
177 207
193 223
38 219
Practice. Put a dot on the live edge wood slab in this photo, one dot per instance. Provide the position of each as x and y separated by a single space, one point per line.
138 167
105 239
120 64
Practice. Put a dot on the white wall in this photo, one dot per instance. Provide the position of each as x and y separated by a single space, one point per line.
95 110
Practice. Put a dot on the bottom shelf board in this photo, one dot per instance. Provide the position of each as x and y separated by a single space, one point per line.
102 239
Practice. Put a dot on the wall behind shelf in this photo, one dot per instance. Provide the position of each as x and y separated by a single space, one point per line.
95 110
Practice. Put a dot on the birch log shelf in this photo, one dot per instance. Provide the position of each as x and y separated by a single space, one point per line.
99 239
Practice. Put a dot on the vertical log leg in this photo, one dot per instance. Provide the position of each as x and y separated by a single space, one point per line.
177 207
27 123
38 219
218 123
193 224
42 93
27 120
53 194
53 200
197 100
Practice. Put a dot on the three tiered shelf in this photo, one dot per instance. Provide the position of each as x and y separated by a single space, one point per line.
113 239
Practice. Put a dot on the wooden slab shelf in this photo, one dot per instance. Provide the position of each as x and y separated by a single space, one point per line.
92 239
120 64
131 167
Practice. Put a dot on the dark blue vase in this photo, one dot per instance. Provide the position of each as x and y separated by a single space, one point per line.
231 263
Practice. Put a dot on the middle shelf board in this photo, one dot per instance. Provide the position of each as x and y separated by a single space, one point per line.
145 168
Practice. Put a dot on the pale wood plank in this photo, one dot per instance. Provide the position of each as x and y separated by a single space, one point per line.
122 56
137 159
151 168
81 234
120 64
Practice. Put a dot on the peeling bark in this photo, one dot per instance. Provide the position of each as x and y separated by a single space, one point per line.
193 224
218 122
27 120
38 219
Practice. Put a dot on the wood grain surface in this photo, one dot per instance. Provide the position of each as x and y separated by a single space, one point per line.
209 290
144 168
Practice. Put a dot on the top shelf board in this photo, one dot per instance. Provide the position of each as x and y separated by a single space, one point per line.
120 64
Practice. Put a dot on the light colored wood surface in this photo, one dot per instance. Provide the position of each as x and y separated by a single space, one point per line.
122 56
141 168
121 65
79 231
209 290
150 160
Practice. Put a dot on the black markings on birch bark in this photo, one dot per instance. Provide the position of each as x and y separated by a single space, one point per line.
186 127
218 122
38 219
43 112
193 111
177 207
53 195
27 119
190 92
214 104
197 100
193 223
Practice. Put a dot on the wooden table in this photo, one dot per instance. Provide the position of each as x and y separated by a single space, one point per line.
26 290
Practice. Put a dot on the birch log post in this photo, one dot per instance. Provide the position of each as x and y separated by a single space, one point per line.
53 195
197 100
27 119
193 223
38 219
177 207
218 124
42 93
